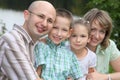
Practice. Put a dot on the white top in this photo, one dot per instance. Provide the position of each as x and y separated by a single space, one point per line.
89 61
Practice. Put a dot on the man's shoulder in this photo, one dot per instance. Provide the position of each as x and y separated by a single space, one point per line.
10 37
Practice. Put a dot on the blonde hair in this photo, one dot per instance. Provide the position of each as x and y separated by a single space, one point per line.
82 21
104 20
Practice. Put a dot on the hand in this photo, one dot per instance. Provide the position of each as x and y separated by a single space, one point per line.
96 76
69 78
39 79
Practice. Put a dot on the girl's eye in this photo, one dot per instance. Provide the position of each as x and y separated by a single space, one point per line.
54 27
65 30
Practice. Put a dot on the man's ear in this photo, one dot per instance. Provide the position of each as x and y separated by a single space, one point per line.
26 14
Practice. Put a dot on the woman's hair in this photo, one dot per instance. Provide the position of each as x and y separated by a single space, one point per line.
65 13
82 21
104 20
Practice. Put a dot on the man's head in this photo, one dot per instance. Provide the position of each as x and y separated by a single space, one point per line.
39 19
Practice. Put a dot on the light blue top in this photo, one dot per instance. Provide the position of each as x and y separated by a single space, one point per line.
105 56
57 62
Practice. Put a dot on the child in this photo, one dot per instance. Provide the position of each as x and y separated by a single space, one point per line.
78 41
53 60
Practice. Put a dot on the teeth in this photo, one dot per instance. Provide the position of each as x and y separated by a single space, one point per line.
57 38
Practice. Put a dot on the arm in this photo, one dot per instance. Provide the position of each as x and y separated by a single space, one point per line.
115 63
116 66
114 76
75 68
39 70
16 64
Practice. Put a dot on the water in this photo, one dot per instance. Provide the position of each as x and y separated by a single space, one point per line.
10 17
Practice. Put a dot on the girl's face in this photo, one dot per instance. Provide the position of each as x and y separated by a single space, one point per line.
97 34
60 30
79 37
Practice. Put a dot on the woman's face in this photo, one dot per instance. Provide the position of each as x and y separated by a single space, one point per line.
97 34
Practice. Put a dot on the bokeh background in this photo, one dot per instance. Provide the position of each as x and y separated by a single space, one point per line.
77 7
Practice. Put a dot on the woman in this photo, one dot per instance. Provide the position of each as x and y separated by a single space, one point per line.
105 49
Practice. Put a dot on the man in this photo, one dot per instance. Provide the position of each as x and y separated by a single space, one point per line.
16 47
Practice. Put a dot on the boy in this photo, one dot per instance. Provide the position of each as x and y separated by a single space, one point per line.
54 61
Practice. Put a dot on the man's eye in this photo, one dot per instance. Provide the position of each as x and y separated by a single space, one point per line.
41 16
50 21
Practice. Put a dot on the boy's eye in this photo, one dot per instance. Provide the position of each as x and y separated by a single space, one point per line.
83 36
73 35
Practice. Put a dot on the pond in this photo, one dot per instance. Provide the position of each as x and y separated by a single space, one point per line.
10 17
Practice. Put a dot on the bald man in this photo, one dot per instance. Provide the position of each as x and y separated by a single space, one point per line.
16 47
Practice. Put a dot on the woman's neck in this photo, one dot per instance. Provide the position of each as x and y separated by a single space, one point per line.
93 48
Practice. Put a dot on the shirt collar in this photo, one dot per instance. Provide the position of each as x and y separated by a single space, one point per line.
53 45
99 50
22 31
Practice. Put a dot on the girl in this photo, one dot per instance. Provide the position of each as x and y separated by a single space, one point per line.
78 41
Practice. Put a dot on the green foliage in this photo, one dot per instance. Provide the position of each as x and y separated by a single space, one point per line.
2 27
78 8
15 4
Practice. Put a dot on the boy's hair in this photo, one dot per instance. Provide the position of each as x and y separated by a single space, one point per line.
82 21
104 20
65 13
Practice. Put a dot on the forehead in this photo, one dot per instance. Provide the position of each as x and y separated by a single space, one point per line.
45 9
79 27
97 26
62 22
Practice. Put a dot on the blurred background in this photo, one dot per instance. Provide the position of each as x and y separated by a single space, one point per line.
11 11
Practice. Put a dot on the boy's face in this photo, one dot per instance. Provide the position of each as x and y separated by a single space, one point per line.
60 30
79 37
